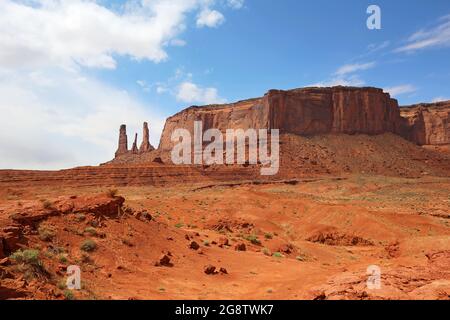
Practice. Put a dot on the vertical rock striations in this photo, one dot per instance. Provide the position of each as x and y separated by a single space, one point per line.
123 141
135 149
426 124
145 145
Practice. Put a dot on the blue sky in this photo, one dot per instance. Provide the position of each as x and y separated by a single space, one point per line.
300 43
71 71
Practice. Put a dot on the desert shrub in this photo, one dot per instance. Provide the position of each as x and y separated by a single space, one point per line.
68 295
88 245
253 239
301 258
80 217
91 231
268 236
266 252
61 285
46 234
179 225
29 256
62 258
112 193
206 243
277 255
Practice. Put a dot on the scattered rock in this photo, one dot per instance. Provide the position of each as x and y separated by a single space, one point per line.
210 269
164 261
223 241
194 245
223 271
240 247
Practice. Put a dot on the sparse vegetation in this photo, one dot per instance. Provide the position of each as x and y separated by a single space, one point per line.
80 217
29 256
91 231
88 245
268 236
179 225
69 295
206 243
277 255
253 239
28 263
46 233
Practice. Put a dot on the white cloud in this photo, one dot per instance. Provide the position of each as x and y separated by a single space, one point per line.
440 99
190 92
55 115
401 89
80 32
351 68
375 47
438 36
210 18
350 81
235 4
143 84
70 121
178 43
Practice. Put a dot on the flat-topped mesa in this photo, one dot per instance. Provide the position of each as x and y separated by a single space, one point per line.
145 145
426 124
123 141
306 111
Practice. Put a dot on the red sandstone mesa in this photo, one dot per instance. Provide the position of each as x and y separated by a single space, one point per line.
315 111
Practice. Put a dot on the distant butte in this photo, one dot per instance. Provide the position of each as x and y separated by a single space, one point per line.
312 111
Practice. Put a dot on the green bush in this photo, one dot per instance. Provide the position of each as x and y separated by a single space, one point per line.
268 236
253 239
88 245
46 234
29 256
179 225
91 231
278 255
68 295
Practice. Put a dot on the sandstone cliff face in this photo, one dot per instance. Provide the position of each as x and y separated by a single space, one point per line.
246 114
123 141
306 111
347 110
427 124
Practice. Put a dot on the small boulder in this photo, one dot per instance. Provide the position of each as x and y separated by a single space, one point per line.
223 241
223 271
194 245
240 247
210 269
164 261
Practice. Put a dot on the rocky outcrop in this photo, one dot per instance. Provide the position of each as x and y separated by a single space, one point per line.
123 141
426 124
307 111
123 151
145 145
135 149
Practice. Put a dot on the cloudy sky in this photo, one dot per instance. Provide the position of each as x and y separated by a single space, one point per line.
72 71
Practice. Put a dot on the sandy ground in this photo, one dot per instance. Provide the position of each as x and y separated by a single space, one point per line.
311 240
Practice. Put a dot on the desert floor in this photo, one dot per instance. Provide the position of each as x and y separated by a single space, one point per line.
311 240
